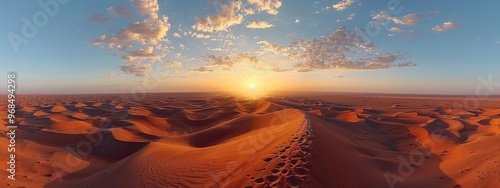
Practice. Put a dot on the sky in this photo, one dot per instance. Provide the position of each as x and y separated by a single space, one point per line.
393 46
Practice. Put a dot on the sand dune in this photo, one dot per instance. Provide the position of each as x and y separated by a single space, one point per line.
212 140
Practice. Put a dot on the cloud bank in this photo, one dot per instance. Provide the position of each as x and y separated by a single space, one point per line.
446 26
259 25
342 5
339 50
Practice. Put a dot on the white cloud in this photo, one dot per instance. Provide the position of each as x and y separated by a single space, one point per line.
141 54
219 60
342 5
146 37
381 16
395 29
136 69
149 7
173 64
335 51
297 20
270 6
351 16
227 62
233 12
276 49
221 21
249 11
409 19
259 25
148 31
201 69
445 26
197 35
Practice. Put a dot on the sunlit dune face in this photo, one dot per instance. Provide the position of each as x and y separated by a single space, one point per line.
252 85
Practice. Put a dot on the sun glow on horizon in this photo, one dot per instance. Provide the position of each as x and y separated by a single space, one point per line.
252 85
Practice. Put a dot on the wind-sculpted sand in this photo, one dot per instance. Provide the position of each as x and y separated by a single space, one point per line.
217 140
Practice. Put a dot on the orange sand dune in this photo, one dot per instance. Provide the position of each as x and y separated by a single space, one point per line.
218 140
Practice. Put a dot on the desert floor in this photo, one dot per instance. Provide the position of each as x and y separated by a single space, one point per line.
283 140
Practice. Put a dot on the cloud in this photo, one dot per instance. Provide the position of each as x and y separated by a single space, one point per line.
148 7
119 11
351 16
339 76
148 31
141 54
445 26
249 11
197 35
259 25
395 29
99 19
201 69
177 35
270 6
297 20
173 64
221 21
342 5
246 58
136 69
279 69
340 50
233 12
276 49
219 60
228 62
147 38
409 19
381 16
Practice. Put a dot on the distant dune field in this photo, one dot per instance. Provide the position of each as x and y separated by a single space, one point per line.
284 140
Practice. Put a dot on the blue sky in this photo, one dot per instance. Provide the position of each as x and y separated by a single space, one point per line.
435 47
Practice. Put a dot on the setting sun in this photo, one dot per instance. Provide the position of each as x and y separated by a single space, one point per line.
252 85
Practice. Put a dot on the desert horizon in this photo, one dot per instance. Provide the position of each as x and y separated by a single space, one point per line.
249 94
